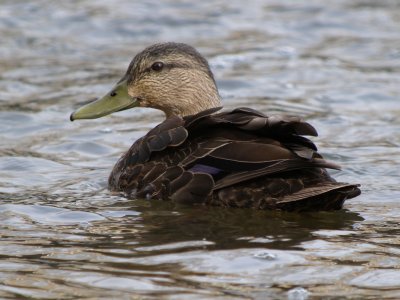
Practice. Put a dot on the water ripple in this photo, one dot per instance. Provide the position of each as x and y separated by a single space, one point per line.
63 235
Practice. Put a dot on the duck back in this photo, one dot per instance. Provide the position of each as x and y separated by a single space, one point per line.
238 158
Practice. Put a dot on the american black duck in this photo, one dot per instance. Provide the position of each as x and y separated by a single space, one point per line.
238 158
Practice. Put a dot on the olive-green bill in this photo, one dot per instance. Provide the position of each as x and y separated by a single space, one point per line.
116 100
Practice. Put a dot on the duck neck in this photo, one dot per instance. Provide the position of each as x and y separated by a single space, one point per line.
193 98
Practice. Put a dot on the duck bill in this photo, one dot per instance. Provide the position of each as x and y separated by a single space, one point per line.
116 100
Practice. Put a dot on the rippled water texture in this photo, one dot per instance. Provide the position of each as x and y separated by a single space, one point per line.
64 236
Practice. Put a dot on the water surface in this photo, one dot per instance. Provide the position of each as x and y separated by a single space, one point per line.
64 236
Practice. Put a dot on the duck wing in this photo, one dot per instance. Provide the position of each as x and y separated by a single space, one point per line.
195 158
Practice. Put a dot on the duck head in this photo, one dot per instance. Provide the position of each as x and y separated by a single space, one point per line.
171 77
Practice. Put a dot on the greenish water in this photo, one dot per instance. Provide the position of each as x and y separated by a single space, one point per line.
64 236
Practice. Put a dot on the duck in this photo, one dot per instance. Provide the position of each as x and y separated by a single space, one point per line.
203 155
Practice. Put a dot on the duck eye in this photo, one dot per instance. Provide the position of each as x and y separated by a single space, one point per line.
157 66
113 94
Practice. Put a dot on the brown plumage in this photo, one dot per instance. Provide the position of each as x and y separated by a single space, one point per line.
239 158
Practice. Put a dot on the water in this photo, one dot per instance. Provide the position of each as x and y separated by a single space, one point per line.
64 236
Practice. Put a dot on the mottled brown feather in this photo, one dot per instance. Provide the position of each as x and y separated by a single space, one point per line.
260 162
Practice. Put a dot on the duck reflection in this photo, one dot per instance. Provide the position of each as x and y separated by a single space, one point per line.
161 223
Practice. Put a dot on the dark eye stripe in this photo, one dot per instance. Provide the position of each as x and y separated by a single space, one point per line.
166 66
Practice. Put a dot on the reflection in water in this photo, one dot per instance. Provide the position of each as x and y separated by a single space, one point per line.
235 228
156 246
64 236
